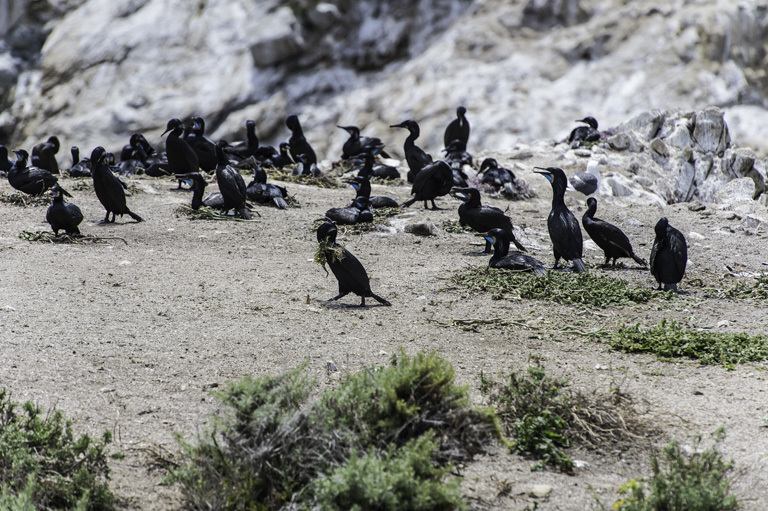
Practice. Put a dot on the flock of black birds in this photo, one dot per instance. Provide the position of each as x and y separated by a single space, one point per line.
189 151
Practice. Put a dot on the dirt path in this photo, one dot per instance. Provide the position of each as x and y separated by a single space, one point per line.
133 336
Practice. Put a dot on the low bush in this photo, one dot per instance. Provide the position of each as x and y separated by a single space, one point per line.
44 466
272 446
682 482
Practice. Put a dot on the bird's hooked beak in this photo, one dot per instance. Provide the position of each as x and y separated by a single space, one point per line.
544 172
401 125
17 153
460 194
345 128
166 131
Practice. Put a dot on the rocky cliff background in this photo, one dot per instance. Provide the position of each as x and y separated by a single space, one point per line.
95 71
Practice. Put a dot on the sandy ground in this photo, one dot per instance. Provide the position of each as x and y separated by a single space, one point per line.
133 336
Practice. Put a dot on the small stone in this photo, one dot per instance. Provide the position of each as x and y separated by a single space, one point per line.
696 206
540 491
723 323
421 228
695 236
580 464
330 367
754 222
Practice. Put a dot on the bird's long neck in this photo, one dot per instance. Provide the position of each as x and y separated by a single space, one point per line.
591 210
253 139
558 193
367 167
474 200
75 156
500 249
413 134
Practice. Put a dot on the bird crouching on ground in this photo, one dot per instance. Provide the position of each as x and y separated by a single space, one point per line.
347 269
63 215
30 180
504 259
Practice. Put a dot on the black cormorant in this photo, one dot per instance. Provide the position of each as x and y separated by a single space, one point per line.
182 159
305 168
244 150
434 180
358 213
5 163
356 144
231 185
155 164
347 269
31 180
483 218
44 155
80 167
608 237
564 230
298 143
588 133
458 129
503 258
283 159
108 187
204 148
62 214
415 156
493 175
669 255
362 184
258 190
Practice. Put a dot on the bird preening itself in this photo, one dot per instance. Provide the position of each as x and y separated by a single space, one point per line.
564 230
347 269
612 240
669 255
63 215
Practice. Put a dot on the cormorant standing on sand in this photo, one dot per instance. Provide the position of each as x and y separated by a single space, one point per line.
669 255
44 155
588 133
503 258
434 180
231 184
564 230
356 144
415 156
611 239
347 269
31 180
182 159
62 214
458 129
298 143
483 218
108 188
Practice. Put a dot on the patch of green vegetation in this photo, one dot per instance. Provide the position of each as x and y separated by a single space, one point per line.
455 227
325 181
670 340
23 200
206 213
543 416
43 465
757 290
393 431
561 287
531 407
695 482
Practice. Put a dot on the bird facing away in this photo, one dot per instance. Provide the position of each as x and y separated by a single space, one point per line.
564 230
611 239
347 269
669 255
415 156
298 143
356 144
588 133
31 180
63 215
204 148
182 159
483 218
503 258
457 129
44 155
108 188
434 180
231 184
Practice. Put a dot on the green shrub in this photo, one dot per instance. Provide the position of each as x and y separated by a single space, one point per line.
271 443
400 479
669 340
532 407
43 465
566 288
695 482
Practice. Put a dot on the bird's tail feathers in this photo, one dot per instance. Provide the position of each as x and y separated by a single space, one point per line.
244 213
408 202
380 299
134 215
280 203
640 261
578 266
539 270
